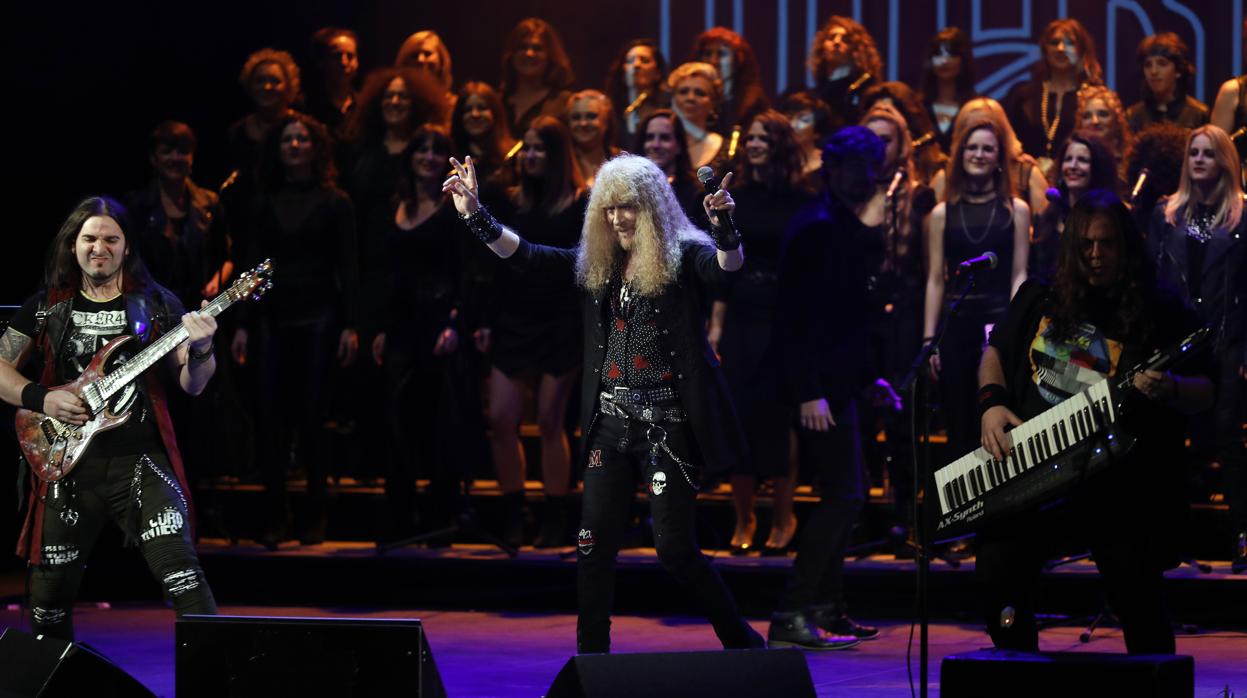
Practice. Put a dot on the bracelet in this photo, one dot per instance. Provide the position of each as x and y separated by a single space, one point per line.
33 395
992 395
482 224
201 357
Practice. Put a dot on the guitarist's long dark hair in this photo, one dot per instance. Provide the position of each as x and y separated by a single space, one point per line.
63 272
1136 277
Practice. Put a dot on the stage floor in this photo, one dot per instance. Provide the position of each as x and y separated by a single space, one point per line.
518 654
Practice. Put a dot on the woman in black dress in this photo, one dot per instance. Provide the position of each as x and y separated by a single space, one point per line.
478 125
535 330
306 225
979 214
1044 111
1086 163
429 309
733 57
947 81
535 74
769 166
661 139
334 86
1168 76
637 85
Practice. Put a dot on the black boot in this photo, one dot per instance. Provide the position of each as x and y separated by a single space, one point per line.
833 619
1239 565
513 518
554 527
794 629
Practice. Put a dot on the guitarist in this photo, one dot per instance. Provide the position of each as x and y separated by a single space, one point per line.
97 289
1103 314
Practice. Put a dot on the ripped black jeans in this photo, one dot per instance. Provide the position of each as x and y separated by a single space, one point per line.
152 510
619 456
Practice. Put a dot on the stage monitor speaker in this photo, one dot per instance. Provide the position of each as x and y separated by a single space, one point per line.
258 656
722 674
1066 674
45 667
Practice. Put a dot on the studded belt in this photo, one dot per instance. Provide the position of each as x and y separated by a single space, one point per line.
641 405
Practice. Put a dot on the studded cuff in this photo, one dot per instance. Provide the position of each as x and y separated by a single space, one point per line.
483 225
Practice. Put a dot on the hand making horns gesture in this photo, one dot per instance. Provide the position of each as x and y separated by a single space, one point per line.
462 186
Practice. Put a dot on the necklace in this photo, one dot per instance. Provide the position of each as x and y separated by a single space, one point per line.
1199 225
965 229
1049 129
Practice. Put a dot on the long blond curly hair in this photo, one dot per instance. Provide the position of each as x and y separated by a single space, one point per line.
661 227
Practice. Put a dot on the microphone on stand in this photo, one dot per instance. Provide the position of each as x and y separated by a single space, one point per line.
1138 184
987 260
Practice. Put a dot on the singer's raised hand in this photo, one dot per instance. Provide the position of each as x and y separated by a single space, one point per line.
721 200
462 186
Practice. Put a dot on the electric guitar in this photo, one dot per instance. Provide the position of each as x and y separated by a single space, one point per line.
53 448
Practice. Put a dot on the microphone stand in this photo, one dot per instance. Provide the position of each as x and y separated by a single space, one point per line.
919 373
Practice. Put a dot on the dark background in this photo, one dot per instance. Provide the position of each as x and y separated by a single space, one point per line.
86 83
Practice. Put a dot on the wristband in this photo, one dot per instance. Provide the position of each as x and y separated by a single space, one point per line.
200 357
992 395
483 225
33 395
725 238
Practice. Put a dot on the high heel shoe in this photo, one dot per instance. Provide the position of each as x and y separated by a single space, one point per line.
742 539
781 538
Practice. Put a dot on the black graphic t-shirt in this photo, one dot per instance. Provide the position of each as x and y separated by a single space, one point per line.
92 325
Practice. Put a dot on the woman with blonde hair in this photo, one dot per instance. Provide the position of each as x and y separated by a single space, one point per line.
696 97
1195 238
589 118
979 214
1100 115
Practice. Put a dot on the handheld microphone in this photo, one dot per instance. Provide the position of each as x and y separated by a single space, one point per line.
896 182
706 176
987 260
1138 184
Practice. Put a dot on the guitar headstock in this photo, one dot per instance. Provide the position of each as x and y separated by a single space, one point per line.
253 284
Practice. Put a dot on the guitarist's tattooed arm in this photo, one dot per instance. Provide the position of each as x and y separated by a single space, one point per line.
13 345
14 350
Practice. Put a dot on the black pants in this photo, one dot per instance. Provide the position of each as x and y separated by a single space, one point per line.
425 418
294 367
1227 422
103 489
611 474
1011 556
835 457
960 354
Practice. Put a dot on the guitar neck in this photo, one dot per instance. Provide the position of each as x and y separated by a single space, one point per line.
112 383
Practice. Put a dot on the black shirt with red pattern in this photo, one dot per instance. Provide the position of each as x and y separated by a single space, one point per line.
636 356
